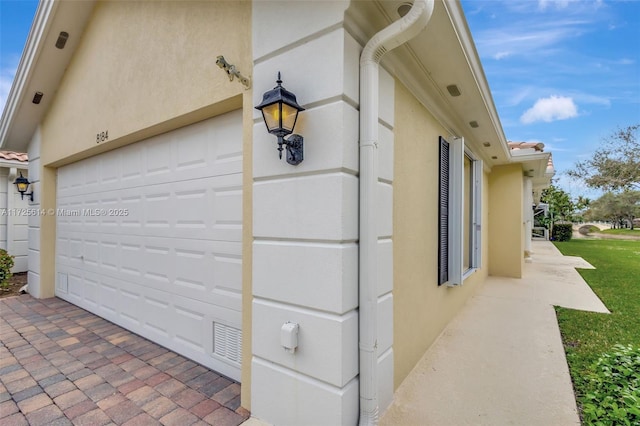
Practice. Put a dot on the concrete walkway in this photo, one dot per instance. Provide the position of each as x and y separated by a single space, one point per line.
61 365
501 360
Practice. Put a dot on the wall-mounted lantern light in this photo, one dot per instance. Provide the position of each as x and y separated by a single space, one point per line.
22 183
280 111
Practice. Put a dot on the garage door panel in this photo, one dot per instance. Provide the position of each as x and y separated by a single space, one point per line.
131 157
131 257
110 170
129 305
150 237
108 304
188 326
90 251
91 290
227 269
157 308
76 287
158 158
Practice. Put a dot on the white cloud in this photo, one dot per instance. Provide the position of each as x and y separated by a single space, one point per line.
625 61
585 98
559 4
501 55
563 4
518 95
550 109
524 39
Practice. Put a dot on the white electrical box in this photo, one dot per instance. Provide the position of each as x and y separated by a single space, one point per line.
289 336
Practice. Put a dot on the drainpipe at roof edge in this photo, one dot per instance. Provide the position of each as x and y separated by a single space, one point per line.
387 39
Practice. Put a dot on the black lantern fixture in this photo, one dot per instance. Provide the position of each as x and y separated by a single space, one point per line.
22 183
280 111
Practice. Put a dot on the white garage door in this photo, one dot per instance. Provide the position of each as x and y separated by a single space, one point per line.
149 237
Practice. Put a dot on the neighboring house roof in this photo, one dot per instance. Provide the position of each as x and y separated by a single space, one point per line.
16 156
537 146
533 151
536 164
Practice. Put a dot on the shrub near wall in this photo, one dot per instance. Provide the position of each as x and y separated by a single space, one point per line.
562 231
6 263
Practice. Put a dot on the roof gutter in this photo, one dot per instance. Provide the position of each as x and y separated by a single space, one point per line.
387 39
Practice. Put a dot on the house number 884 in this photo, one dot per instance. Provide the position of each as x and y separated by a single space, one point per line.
102 136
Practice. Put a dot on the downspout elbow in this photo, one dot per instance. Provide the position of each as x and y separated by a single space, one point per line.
399 32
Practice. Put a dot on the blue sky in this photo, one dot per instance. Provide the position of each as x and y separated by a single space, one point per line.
562 72
15 21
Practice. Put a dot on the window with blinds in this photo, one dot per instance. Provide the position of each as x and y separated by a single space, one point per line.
443 214
459 212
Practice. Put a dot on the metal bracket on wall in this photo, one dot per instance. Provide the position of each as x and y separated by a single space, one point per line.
232 72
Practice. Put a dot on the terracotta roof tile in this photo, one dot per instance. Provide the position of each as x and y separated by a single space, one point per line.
18 156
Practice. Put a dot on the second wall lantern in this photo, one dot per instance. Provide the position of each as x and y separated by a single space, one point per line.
22 184
280 111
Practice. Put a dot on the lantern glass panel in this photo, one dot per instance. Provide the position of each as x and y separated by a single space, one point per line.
289 115
22 187
271 114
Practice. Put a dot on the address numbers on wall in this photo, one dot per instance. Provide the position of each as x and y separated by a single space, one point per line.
102 136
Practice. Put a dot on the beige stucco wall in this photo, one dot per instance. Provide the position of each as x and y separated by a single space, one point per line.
506 227
421 308
142 64
145 68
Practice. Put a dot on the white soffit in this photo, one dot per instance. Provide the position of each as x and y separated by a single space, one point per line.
41 68
443 54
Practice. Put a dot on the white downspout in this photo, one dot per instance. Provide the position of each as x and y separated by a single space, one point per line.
387 39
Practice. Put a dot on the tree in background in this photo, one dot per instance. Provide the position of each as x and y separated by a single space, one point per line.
561 207
616 165
581 204
617 208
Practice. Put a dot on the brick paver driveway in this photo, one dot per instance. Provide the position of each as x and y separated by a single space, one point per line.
61 365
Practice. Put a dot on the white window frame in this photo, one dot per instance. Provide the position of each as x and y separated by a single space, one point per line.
457 153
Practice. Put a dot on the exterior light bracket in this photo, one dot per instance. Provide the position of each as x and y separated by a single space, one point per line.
232 72
295 149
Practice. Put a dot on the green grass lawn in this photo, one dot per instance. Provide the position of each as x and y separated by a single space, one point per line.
616 280
635 232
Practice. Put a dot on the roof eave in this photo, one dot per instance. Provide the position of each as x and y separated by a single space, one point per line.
466 40
41 68
41 22
534 165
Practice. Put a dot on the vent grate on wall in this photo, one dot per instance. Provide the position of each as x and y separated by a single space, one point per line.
227 342
63 282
